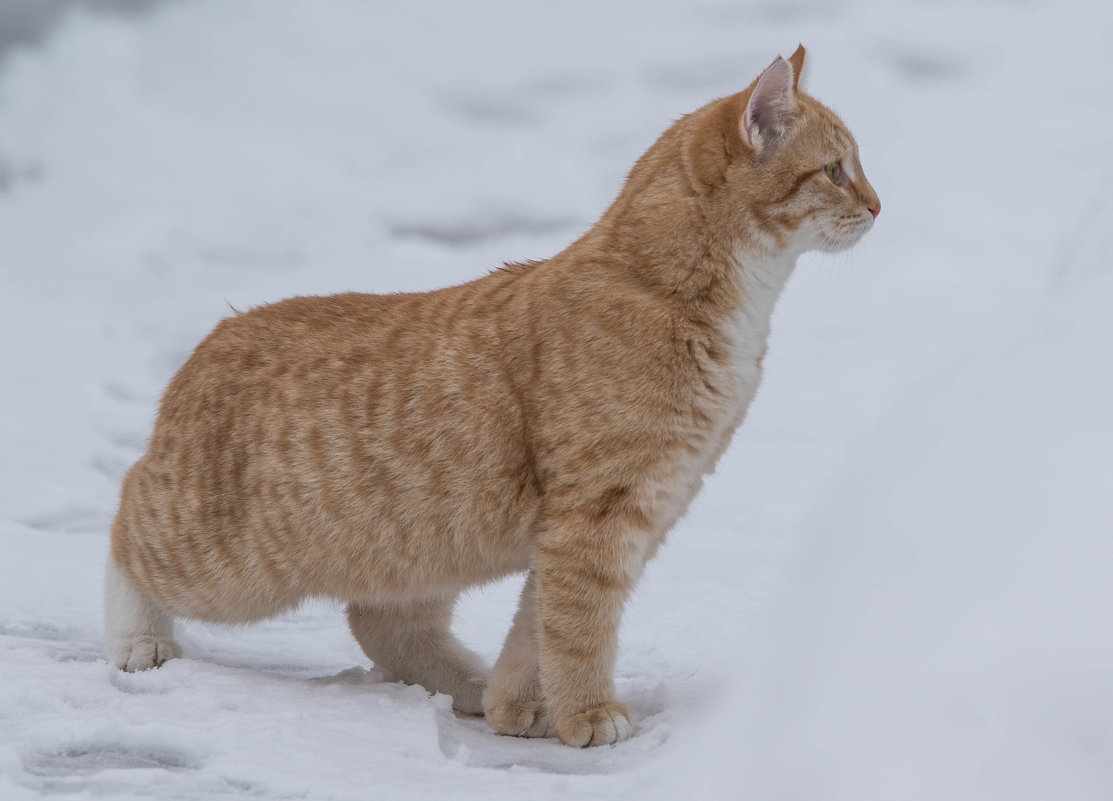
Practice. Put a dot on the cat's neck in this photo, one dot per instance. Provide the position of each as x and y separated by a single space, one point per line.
762 275
662 233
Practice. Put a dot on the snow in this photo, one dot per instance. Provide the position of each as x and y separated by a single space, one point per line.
895 586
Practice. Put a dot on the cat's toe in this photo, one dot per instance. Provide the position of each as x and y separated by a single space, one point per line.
520 719
143 652
604 725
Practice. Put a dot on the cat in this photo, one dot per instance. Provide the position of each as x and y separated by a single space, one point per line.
553 417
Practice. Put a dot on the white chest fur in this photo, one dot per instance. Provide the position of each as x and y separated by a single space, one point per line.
745 336
747 331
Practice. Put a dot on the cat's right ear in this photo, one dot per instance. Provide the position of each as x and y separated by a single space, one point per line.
769 110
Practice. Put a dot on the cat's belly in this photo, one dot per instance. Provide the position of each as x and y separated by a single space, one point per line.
402 561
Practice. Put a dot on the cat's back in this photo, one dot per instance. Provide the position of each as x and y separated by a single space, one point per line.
287 353
380 368
300 330
308 349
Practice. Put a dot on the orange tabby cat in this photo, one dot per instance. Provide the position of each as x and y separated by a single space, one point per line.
554 417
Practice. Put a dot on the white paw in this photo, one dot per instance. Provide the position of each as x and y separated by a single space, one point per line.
142 652
604 725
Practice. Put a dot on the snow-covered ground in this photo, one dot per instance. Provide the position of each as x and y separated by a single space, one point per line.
899 585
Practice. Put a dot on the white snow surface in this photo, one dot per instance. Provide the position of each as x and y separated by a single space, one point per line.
899 583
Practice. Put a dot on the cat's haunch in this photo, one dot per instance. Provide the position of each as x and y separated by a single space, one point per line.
554 418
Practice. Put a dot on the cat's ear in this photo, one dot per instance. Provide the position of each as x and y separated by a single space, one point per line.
797 62
771 106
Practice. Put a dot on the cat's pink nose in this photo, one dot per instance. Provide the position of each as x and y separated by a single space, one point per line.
875 209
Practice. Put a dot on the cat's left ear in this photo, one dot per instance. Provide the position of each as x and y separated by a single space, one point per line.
797 61
771 105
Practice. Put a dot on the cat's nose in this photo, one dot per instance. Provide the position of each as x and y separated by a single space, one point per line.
875 209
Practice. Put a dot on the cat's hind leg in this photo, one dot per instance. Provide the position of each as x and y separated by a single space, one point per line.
137 634
413 640
514 703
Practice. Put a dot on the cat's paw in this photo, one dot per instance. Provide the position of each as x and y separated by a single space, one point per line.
467 696
520 719
142 652
603 725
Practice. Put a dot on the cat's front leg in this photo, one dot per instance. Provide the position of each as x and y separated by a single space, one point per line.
514 703
586 566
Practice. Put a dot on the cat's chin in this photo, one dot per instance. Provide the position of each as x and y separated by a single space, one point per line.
843 240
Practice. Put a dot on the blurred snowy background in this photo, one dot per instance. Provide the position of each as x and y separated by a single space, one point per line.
899 584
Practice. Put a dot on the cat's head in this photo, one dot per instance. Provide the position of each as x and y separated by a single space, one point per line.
789 163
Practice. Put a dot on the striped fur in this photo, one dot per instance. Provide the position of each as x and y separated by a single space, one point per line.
555 417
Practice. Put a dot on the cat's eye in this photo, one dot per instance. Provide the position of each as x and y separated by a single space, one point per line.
834 172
